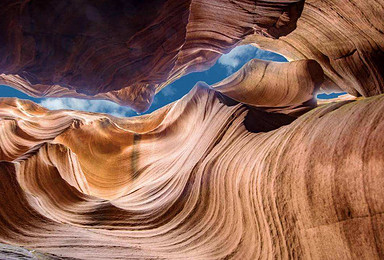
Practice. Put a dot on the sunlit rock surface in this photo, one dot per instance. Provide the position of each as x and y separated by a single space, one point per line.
345 36
273 85
249 168
125 51
189 181
344 97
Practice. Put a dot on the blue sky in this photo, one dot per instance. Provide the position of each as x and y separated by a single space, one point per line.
226 65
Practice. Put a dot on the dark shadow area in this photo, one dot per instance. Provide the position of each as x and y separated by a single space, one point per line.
259 121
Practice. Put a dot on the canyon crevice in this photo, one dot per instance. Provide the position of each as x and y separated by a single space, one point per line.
125 51
189 181
345 37
252 167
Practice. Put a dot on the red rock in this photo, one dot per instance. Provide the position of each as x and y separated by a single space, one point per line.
189 181
345 37
125 51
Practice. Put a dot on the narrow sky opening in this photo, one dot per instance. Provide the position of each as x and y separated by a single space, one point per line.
225 66
330 96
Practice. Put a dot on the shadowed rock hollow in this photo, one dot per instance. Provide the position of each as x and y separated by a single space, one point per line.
125 51
345 37
248 168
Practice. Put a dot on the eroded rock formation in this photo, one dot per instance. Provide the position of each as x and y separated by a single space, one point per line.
273 85
345 36
245 169
189 181
275 93
125 51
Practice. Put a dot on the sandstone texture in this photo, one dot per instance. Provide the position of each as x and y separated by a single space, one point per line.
345 37
125 51
190 182
252 167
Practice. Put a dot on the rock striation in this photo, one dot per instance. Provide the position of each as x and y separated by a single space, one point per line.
248 168
125 51
189 181
345 36
121 51
273 85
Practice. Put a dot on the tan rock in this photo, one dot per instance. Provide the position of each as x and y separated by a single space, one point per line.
189 181
345 37
125 51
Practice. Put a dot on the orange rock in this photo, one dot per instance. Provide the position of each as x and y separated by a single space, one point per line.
345 37
125 51
189 181
248 168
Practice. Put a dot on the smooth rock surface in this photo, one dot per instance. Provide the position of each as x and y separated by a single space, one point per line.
190 182
125 51
345 36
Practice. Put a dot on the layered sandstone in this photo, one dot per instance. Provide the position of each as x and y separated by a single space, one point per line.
345 36
190 182
125 51
274 86
247 168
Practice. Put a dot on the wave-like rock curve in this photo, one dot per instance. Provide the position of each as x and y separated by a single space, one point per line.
248 168
125 51
345 36
190 182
